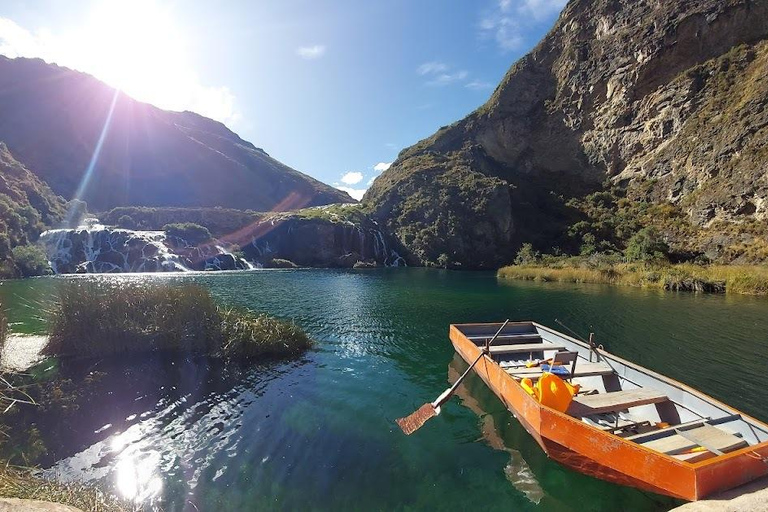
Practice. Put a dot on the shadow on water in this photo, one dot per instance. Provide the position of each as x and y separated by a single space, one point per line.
149 427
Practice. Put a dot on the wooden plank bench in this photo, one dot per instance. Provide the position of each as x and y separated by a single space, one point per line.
523 348
529 336
583 369
712 438
614 401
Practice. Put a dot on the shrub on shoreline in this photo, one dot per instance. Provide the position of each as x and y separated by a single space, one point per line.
93 319
748 280
31 260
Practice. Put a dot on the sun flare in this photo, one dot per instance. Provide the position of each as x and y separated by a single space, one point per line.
136 47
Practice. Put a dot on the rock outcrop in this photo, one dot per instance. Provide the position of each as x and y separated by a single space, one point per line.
667 100
317 242
52 121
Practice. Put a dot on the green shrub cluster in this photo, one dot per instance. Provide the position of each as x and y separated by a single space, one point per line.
189 231
219 221
31 260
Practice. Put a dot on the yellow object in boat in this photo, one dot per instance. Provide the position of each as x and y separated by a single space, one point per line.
527 385
554 392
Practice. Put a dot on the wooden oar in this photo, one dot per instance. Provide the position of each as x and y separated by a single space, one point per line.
417 419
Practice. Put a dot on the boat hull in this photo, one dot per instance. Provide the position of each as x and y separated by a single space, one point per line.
603 455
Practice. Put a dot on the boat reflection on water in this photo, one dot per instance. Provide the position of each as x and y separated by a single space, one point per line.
517 470
542 481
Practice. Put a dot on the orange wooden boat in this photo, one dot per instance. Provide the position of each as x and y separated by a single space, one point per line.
628 425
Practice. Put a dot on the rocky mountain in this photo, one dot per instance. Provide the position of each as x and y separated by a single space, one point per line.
643 105
51 119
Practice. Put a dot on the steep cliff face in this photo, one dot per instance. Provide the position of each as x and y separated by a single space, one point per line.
52 119
664 99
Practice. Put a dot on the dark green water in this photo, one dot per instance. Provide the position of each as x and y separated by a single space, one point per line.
319 434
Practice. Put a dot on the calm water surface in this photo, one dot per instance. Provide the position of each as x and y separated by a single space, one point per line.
319 433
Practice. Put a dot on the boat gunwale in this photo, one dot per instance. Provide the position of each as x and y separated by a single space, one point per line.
712 461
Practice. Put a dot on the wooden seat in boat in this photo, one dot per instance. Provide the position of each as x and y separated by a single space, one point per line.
615 401
524 348
583 369
510 337
715 440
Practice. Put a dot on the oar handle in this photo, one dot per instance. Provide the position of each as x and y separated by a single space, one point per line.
446 395
489 342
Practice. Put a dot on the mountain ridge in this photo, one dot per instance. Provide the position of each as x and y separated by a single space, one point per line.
53 117
612 99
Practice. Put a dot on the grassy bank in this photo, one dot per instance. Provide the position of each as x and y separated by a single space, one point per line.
94 319
23 444
750 280
23 484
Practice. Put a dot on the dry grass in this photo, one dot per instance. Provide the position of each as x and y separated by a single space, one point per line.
94 319
23 484
749 280
3 327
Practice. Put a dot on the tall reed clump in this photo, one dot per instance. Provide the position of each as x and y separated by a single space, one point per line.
248 335
3 327
98 318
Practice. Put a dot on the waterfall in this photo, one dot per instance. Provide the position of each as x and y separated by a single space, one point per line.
93 247
99 249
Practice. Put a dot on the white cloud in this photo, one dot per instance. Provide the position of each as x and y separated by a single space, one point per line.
352 178
503 23
356 193
153 68
478 85
311 52
447 78
505 30
430 68
539 9
382 166
439 73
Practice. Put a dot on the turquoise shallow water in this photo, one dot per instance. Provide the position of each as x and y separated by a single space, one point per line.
319 433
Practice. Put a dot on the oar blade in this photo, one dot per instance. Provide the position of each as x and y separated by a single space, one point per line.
417 419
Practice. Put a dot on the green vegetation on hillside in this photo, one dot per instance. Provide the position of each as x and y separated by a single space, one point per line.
192 233
27 207
30 260
94 319
219 221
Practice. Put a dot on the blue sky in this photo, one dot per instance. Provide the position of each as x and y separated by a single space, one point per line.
331 88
